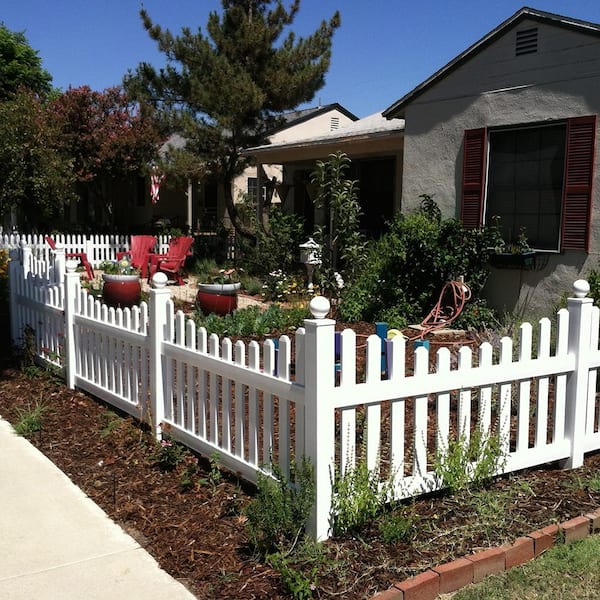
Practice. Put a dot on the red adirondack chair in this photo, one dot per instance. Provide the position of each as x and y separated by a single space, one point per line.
140 252
81 256
172 262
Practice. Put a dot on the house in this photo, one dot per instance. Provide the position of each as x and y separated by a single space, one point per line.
199 205
375 146
509 128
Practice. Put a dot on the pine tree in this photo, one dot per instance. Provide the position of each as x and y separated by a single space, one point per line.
223 91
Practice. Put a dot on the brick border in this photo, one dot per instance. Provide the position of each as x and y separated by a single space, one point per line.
473 568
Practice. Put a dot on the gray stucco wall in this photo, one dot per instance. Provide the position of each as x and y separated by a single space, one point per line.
496 88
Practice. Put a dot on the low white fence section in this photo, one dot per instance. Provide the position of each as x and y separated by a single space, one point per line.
275 402
97 248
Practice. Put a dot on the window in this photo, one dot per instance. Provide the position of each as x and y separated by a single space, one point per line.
252 189
525 183
538 178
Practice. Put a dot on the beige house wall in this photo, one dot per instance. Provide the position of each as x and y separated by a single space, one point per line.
313 126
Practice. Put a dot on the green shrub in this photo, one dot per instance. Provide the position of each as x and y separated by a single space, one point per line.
253 321
168 454
408 266
397 526
295 581
469 463
278 514
275 248
593 278
357 498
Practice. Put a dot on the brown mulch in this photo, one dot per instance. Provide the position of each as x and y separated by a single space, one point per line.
198 534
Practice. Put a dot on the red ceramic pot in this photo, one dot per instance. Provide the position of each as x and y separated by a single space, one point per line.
218 298
121 291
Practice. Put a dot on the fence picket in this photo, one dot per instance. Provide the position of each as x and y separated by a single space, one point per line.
443 404
268 408
213 401
485 392
347 367
505 399
463 425
226 387
396 375
283 372
420 417
240 413
592 413
253 424
373 410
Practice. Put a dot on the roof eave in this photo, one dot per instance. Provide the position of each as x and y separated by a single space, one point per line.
258 150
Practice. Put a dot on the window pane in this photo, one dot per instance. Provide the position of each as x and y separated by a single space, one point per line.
525 183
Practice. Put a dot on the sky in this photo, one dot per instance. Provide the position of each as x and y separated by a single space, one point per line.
383 49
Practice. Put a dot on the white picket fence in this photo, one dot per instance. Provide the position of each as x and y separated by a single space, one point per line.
98 248
260 404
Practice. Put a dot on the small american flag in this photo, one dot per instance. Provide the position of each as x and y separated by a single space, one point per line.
155 180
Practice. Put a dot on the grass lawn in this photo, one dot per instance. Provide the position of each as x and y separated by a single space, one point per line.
568 572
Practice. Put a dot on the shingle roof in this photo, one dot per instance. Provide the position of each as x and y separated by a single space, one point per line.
372 125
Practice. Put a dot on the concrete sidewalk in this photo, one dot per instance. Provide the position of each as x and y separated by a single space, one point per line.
56 544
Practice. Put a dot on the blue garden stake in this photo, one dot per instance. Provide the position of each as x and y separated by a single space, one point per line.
388 357
421 343
381 329
276 344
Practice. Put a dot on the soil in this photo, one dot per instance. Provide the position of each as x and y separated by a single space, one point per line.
197 532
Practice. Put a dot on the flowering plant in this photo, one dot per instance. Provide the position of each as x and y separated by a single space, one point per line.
226 276
119 267
168 454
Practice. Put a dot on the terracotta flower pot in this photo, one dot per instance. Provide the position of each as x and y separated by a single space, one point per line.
121 291
218 298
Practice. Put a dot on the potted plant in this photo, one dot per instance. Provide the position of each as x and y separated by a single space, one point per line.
121 283
220 296
513 255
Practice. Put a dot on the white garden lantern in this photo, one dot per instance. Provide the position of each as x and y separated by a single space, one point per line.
310 255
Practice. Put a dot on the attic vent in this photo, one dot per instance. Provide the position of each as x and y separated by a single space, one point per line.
527 41
335 123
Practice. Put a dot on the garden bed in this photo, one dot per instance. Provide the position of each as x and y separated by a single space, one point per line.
197 532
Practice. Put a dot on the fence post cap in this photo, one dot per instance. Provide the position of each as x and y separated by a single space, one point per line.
581 288
319 307
159 280
71 265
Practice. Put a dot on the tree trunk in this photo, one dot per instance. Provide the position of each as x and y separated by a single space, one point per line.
232 211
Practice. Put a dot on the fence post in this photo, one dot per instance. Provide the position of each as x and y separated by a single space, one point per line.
59 263
72 285
319 382
26 258
580 322
157 333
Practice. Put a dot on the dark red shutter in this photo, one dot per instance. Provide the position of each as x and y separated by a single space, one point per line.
579 170
473 180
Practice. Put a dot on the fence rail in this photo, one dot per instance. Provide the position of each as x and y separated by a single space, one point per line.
259 404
